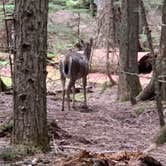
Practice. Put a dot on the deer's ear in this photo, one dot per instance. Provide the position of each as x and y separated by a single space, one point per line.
82 43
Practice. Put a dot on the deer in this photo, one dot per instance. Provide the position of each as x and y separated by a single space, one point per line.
74 66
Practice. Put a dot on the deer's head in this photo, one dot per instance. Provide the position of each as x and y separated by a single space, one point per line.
88 48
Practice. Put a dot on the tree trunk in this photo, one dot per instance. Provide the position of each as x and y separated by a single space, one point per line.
129 85
30 116
163 50
149 91
157 85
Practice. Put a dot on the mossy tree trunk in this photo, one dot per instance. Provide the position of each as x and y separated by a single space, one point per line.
29 85
129 85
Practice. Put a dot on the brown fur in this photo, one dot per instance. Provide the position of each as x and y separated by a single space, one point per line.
75 66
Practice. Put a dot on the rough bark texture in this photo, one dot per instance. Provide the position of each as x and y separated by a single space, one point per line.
157 85
163 50
109 36
149 91
129 85
30 117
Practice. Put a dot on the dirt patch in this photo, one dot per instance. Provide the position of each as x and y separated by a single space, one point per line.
110 126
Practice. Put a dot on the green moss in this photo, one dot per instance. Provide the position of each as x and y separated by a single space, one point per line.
7 154
104 87
138 111
6 127
12 153
79 97
161 136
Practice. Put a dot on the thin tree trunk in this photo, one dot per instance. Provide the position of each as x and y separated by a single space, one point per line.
30 116
110 38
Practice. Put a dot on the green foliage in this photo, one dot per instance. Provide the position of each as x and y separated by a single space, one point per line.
58 2
54 7
138 111
161 136
79 97
105 86
59 29
12 153
71 3
7 81
148 4
152 4
78 3
156 38
7 154
6 127
64 37
3 62
78 10
8 8
51 55
143 37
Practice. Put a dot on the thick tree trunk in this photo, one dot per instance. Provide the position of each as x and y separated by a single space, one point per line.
30 117
129 85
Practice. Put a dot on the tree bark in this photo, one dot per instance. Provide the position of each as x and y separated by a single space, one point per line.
157 85
30 116
129 85
163 51
109 36
149 91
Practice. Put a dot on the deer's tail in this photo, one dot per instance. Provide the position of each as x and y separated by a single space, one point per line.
67 62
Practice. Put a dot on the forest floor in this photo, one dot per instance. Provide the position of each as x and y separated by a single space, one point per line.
108 126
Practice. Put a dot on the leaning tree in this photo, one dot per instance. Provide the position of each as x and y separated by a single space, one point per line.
29 79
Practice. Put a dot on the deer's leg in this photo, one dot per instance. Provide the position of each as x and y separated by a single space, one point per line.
73 102
84 81
71 83
63 92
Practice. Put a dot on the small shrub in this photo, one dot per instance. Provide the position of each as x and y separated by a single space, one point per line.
12 153
7 154
58 2
138 111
